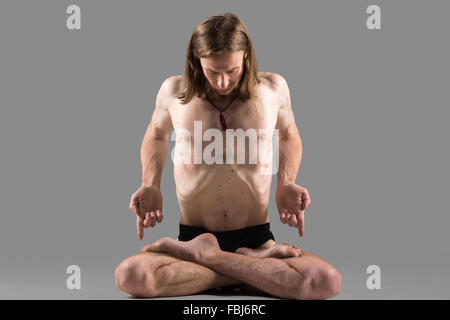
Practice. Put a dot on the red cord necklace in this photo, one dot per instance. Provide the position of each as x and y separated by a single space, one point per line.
223 123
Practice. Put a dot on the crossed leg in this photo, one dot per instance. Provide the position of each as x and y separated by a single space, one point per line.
174 268
153 274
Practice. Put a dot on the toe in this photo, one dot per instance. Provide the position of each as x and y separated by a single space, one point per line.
294 252
148 248
242 250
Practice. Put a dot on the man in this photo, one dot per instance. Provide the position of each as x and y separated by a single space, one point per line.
224 237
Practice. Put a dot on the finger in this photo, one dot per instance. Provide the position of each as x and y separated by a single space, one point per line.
294 220
290 220
152 219
146 221
159 216
140 227
283 217
301 224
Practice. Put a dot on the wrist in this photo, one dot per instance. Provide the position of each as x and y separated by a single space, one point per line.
150 181
150 184
284 178
284 183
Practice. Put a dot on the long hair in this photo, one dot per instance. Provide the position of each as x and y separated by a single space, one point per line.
219 33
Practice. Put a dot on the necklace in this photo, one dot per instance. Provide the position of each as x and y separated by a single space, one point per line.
223 123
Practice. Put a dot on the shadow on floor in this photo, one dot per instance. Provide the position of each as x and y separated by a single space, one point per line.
227 291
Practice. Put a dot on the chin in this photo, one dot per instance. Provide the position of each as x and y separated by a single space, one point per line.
225 91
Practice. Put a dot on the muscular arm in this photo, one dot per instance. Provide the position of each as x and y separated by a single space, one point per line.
290 144
155 143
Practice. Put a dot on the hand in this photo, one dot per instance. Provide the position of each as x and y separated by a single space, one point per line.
292 201
146 203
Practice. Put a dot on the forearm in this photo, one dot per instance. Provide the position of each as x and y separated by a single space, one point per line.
153 157
290 157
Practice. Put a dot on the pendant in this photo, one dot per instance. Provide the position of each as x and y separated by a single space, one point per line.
223 123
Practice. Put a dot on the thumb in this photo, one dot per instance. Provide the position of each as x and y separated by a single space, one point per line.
134 206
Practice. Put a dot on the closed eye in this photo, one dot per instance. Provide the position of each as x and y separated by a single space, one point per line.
229 72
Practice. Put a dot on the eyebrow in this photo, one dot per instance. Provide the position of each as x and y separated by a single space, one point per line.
228 70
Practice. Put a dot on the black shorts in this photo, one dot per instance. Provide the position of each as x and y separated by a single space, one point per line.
250 237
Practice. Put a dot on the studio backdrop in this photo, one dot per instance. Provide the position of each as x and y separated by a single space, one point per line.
371 105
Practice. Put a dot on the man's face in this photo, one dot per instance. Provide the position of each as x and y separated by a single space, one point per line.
223 70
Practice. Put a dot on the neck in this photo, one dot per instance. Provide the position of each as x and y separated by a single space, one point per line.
215 96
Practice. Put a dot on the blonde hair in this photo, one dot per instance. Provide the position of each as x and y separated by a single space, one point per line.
215 34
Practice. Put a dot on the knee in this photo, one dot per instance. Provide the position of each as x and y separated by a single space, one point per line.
327 283
131 277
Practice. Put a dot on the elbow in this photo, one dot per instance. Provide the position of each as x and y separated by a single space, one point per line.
154 133
292 139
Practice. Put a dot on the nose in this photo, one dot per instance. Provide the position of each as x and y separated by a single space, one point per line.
223 82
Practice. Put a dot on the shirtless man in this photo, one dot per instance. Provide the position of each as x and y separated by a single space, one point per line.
224 236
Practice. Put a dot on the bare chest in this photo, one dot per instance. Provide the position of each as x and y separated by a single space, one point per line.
239 115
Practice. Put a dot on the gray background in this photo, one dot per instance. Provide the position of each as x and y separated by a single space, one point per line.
371 107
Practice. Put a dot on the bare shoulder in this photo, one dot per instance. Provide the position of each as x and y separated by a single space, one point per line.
277 85
167 92
170 86
272 80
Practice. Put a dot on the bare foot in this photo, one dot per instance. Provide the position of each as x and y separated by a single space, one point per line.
202 249
278 250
